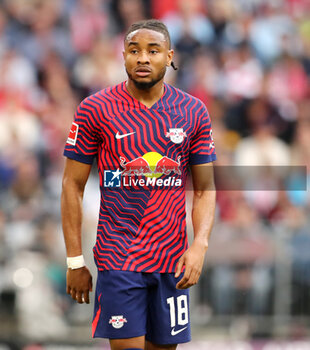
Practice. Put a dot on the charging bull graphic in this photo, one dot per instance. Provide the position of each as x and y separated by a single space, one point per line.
151 164
167 165
137 166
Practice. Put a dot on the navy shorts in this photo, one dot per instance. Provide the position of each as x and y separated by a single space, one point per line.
131 304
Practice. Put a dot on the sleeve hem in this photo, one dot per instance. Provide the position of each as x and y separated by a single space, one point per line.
79 157
202 158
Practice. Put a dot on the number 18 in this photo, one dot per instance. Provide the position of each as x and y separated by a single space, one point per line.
182 310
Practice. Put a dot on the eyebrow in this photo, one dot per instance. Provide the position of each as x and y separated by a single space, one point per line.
136 43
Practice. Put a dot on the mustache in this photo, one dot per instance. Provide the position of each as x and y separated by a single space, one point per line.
147 85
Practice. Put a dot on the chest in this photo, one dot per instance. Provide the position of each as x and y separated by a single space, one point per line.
140 131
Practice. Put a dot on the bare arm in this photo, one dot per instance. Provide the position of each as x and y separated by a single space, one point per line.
79 281
202 218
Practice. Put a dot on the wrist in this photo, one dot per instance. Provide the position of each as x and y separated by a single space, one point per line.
75 262
203 243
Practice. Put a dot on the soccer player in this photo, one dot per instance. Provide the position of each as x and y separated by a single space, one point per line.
145 135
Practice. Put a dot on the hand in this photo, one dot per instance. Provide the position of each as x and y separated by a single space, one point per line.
193 260
79 283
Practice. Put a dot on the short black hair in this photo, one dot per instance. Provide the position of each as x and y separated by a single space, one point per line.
152 24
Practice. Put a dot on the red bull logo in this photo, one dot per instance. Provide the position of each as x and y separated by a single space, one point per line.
152 165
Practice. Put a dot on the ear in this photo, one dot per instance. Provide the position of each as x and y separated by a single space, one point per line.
169 57
124 54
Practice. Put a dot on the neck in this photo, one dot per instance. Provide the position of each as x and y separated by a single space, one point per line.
149 96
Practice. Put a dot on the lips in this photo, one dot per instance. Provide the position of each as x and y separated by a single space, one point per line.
143 71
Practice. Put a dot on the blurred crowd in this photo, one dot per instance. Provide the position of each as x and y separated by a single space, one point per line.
247 60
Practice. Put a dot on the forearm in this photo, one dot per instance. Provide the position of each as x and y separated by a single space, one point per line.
203 215
72 212
202 218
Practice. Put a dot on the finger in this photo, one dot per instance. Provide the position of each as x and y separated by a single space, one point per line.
91 284
181 283
179 267
192 280
68 290
184 285
185 278
86 296
73 294
195 279
198 276
188 283
79 297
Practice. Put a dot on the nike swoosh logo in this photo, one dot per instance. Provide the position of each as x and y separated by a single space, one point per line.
118 136
173 332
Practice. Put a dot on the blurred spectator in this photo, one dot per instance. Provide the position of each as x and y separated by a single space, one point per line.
127 12
188 26
227 31
241 258
301 156
301 144
45 33
99 69
296 221
4 37
262 147
88 21
202 80
304 30
268 31
17 76
242 73
287 85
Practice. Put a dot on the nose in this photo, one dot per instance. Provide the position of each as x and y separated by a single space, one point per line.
143 57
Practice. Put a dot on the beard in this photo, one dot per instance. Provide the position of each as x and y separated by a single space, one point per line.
146 85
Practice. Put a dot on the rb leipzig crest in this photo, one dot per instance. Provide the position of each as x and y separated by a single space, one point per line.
176 135
117 321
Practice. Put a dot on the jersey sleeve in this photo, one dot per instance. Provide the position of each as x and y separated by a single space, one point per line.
83 139
202 149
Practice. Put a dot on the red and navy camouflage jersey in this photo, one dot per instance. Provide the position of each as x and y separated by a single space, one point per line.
143 156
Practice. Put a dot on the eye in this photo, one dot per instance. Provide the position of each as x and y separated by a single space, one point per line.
153 52
134 51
